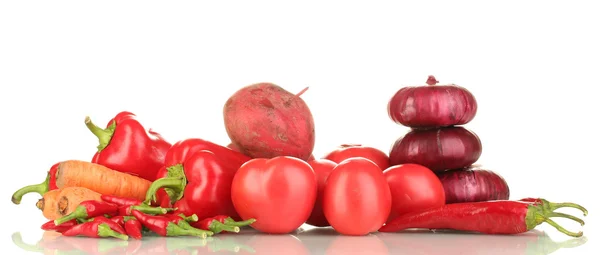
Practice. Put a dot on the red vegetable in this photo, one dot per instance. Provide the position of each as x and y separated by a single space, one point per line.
197 179
227 220
120 201
41 188
279 193
50 226
133 227
489 217
414 188
346 151
437 149
126 146
89 209
163 226
357 198
264 120
322 169
113 225
216 226
473 184
432 105
94 229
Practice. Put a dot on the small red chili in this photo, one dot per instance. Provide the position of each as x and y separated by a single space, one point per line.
120 201
94 229
89 209
227 220
489 217
133 227
113 225
163 226
215 226
50 226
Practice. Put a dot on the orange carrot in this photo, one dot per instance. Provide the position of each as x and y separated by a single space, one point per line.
76 173
49 204
70 197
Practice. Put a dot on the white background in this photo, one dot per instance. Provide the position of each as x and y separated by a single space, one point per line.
532 65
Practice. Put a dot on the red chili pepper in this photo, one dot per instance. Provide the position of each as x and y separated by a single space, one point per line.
227 220
489 217
133 227
120 201
113 225
126 146
553 206
50 226
126 210
41 188
89 209
203 171
95 229
163 226
215 226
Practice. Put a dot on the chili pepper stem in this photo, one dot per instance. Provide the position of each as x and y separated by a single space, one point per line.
571 217
78 213
150 210
232 222
104 135
191 218
40 188
105 231
554 206
537 215
218 227
176 184
563 230
174 230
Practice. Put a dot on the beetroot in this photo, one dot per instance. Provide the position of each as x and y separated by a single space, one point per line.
264 120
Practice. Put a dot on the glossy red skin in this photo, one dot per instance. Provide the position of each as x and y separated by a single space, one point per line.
112 224
356 199
52 173
279 193
491 217
264 120
429 106
208 189
473 185
437 149
133 227
322 169
132 149
346 151
155 223
414 188
88 229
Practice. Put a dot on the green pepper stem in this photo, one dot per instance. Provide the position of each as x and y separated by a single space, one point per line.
554 206
40 188
175 230
104 135
176 184
571 217
563 230
231 222
150 210
80 212
191 218
218 227
105 231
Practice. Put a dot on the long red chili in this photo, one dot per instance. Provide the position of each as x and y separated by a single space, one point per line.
94 229
163 226
50 226
89 209
120 201
489 217
41 188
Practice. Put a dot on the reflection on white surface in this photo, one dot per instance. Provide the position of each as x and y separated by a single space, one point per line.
312 241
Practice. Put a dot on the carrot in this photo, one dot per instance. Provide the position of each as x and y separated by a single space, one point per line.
70 197
48 204
106 181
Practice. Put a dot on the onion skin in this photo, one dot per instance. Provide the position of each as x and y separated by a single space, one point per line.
431 106
437 149
473 184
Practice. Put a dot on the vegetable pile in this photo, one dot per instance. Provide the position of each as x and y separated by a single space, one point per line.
138 183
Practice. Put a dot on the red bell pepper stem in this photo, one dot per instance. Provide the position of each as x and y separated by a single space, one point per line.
553 206
95 229
50 226
89 209
163 226
231 222
41 188
133 227
489 217
215 226
120 201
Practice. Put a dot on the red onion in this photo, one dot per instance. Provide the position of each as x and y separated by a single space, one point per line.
437 149
473 184
432 105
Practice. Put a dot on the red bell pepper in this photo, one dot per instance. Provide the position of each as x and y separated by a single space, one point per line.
196 179
126 146
41 188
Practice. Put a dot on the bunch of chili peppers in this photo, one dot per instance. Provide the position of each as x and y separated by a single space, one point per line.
122 218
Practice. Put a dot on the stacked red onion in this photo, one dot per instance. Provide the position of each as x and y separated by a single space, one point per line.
437 139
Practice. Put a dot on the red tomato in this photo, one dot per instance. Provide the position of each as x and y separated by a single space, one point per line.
346 151
414 188
356 199
322 168
279 193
